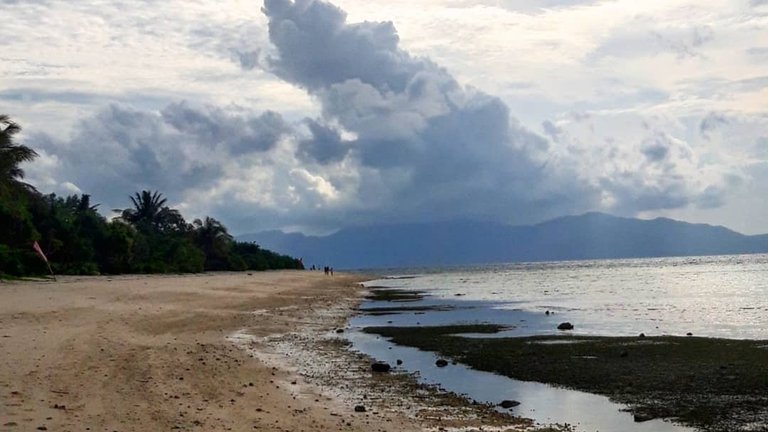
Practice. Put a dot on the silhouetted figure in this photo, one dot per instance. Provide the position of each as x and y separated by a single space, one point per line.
331 271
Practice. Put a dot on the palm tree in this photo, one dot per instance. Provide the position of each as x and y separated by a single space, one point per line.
147 206
11 156
149 211
212 237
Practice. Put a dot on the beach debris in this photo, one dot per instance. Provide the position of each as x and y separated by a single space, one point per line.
507 404
441 363
643 417
565 326
359 408
59 407
381 366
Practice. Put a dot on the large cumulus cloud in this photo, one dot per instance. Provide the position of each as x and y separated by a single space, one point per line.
438 149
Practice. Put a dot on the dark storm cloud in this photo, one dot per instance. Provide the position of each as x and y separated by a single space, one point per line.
220 129
122 150
324 145
436 145
318 48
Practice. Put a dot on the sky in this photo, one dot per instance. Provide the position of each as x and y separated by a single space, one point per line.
312 116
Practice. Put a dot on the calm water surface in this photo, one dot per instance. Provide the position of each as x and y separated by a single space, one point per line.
724 296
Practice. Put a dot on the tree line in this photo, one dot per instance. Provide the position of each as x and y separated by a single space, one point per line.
147 237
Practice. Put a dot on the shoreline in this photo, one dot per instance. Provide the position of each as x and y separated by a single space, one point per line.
143 352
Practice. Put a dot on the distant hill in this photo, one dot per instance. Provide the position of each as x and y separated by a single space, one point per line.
588 236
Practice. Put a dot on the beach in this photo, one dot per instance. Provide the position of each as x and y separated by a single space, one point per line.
221 351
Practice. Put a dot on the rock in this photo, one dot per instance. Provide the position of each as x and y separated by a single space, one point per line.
359 408
565 326
546 313
399 362
642 417
339 330
507 404
642 335
689 334
381 367
441 363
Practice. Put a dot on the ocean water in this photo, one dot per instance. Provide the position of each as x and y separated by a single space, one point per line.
721 296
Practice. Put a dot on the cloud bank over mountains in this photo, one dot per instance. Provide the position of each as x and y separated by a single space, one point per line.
393 136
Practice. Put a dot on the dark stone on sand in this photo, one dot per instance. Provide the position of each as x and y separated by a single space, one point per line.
689 334
507 404
399 362
565 326
381 367
42 428
339 330
642 335
546 313
441 363
641 417
359 408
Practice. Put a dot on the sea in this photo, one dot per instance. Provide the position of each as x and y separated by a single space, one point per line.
713 296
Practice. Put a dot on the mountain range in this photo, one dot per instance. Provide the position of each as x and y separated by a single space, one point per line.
587 236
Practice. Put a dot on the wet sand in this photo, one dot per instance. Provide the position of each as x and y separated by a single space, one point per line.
213 352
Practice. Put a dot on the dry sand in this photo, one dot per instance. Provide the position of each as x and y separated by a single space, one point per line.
213 352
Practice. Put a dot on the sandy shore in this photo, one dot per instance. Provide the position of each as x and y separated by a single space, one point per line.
207 352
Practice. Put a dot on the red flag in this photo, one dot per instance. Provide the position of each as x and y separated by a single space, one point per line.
39 251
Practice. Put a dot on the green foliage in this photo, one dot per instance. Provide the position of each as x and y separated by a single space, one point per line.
149 237
11 156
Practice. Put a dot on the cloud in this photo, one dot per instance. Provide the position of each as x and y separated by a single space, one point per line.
439 148
325 144
395 137
710 123
179 149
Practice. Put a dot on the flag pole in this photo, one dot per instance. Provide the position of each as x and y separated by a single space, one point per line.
39 251
51 270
